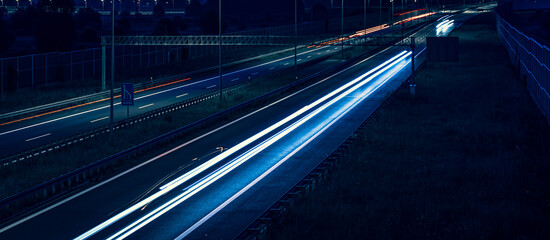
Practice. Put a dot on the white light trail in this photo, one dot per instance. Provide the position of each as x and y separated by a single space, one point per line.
222 171
175 183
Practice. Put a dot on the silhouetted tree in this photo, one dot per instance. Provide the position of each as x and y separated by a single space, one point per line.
8 37
158 11
55 32
123 27
3 11
24 19
166 27
56 6
319 12
89 35
209 23
88 17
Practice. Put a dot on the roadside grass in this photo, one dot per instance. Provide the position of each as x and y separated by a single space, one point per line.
468 158
58 91
25 174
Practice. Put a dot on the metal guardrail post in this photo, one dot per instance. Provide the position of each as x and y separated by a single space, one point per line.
46 68
32 71
103 70
1 79
17 74
412 85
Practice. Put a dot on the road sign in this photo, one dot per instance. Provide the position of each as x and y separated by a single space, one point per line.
127 94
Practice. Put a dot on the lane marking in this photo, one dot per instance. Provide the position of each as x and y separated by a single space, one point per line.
286 64
138 91
271 68
308 56
88 103
183 95
235 79
41 136
181 146
148 105
99 119
211 86
299 59
254 73
270 170
203 167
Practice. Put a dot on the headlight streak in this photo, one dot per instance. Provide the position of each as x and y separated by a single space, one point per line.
239 146
180 180
251 184
440 29
222 171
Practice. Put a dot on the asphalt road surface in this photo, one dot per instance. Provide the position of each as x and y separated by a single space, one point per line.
188 192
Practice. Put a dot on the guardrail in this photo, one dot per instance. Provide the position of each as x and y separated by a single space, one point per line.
22 202
104 94
532 59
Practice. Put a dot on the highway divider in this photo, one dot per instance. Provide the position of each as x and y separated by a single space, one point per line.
31 198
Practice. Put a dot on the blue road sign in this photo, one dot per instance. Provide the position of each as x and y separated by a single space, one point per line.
127 94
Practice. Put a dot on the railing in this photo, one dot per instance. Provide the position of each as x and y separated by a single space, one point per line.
46 68
531 59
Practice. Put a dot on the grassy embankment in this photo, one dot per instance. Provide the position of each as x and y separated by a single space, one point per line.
25 174
468 158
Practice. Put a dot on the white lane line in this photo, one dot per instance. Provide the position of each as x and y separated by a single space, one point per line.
148 105
99 119
149 95
271 68
175 183
210 86
180 146
318 53
41 136
235 79
254 73
299 59
214 176
286 64
308 56
270 170
183 95
328 50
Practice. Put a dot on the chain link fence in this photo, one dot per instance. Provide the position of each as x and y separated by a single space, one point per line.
82 65
531 59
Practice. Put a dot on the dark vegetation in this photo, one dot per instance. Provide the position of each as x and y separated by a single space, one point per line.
468 158
535 24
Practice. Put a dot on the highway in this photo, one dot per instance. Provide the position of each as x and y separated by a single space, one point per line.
22 134
187 192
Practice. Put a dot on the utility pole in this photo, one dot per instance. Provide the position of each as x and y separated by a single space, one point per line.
111 121
342 33
380 14
220 48
365 23
295 39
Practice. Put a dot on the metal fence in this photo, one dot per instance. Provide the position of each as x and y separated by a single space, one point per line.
533 61
82 65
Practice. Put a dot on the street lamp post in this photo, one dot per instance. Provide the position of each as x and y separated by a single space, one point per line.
111 115
85 4
342 32
220 48
295 39
365 22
